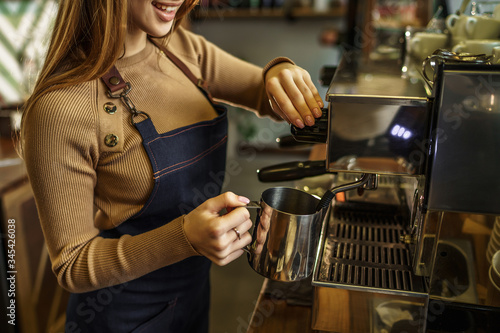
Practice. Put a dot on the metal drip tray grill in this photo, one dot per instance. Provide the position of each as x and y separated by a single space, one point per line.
362 249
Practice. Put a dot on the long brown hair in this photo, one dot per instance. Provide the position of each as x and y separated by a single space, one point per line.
90 36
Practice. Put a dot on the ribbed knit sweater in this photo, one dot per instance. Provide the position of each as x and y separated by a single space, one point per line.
82 186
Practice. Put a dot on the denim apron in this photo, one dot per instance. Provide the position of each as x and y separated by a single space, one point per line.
188 167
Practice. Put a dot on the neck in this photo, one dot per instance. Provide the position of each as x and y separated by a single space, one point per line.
135 42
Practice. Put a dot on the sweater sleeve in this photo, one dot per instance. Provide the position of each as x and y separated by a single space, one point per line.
229 78
61 155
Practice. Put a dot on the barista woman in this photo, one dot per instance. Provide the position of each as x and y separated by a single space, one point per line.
125 149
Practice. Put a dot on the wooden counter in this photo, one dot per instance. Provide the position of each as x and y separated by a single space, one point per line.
273 313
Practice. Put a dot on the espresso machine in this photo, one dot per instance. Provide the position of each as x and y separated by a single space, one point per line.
416 253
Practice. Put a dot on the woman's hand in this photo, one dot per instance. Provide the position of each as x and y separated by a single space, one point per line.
213 235
292 94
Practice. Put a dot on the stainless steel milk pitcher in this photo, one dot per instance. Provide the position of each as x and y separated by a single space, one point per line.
286 234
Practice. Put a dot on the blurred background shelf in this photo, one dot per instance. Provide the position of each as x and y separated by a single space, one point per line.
266 13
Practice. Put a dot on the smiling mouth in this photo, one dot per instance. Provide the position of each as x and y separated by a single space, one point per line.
165 8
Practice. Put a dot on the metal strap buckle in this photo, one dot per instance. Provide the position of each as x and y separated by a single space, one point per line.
128 102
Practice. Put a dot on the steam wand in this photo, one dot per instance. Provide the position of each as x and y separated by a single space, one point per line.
368 181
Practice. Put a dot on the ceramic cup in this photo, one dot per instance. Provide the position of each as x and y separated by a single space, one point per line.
496 55
456 25
424 44
496 12
482 27
493 294
494 242
477 46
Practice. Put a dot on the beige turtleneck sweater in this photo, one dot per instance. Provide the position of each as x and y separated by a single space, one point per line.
74 174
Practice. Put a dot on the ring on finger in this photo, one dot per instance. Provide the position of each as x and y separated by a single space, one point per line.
237 233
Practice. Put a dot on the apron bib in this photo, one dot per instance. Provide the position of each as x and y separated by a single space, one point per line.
188 167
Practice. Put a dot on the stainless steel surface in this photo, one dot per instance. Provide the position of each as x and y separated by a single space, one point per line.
439 56
424 232
358 80
363 250
464 165
286 234
454 275
378 121
365 182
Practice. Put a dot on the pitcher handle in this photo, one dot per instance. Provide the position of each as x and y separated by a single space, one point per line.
251 204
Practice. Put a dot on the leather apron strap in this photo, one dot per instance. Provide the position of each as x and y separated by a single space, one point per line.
115 82
199 82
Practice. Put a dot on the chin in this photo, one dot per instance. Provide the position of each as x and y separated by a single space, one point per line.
160 32
159 35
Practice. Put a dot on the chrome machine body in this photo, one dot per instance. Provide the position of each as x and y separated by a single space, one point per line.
415 254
